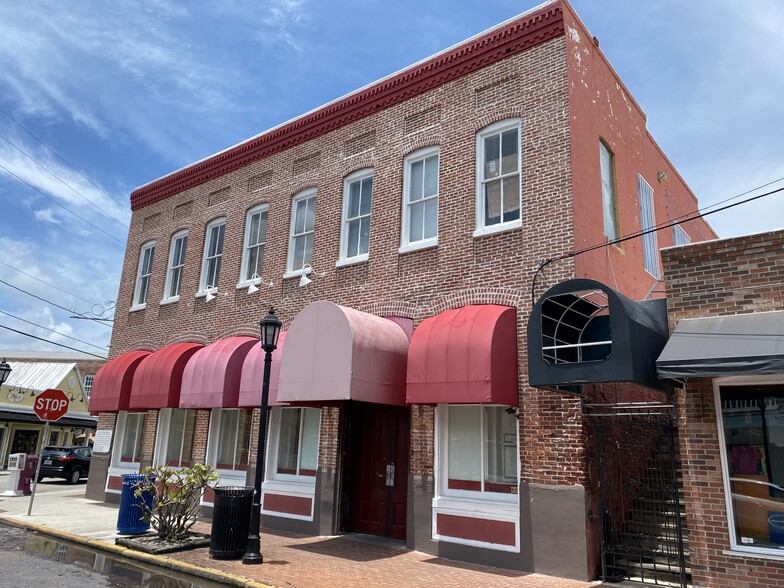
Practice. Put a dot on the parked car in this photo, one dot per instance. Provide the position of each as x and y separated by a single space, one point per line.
71 463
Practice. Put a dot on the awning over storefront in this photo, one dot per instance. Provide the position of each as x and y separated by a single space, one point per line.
465 355
158 378
69 420
112 384
336 353
738 345
253 375
212 376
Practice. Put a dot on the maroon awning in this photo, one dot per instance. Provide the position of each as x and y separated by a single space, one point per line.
336 353
112 383
253 375
158 379
212 376
465 355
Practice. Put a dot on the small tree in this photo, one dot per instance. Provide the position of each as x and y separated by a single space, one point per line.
176 497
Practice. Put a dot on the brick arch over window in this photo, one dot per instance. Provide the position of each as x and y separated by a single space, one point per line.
399 308
501 296
299 187
412 144
187 338
138 346
499 115
215 213
357 164
248 330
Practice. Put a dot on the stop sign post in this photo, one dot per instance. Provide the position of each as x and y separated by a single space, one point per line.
50 405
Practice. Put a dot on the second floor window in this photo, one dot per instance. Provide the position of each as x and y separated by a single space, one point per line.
650 242
303 221
679 236
609 201
177 249
143 274
255 238
213 252
420 206
498 189
357 201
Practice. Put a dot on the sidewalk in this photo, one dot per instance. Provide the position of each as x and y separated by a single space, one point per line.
289 560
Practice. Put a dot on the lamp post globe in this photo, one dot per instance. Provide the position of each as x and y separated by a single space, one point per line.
5 369
270 330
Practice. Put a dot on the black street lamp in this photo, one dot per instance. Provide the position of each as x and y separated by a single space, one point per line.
270 329
5 369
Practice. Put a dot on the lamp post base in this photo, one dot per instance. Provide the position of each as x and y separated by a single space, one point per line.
252 558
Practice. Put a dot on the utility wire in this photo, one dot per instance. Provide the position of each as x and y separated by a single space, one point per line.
654 229
48 329
50 285
60 205
45 300
57 155
52 342
63 182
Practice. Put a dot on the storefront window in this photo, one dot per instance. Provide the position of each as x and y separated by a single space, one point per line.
481 449
233 439
298 441
179 441
753 424
130 451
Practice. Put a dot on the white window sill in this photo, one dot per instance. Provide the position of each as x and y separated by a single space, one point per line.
297 273
757 552
203 293
419 245
248 283
137 307
499 228
352 260
486 507
171 300
294 487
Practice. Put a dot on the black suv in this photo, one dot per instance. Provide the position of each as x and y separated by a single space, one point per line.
71 462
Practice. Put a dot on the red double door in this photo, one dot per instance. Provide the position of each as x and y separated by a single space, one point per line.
380 439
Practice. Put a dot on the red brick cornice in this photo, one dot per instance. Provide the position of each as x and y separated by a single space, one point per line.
516 36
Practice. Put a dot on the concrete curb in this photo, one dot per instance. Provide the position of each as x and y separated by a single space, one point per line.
148 558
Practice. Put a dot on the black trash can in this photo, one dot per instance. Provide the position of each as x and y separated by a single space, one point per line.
129 518
230 521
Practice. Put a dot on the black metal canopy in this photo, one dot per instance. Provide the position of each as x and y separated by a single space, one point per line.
583 332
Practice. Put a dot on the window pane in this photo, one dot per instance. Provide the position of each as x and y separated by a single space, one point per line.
179 254
364 235
308 461
353 199
148 255
227 438
299 253
417 172
608 193
288 443
493 203
353 239
253 260
431 176
465 448
253 231
509 152
416 222
134 425
308 249
176 281
500 450
310 221
144 282
492 155
367 195
511 198
431 219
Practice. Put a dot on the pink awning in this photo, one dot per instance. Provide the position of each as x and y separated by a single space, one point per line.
112 384
158 379
336 353
253 375
212 376
466 355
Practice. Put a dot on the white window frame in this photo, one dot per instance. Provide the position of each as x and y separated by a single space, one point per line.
466 503
119 441
141 284
216 418
496 129
718 383
679 236
171 268
246 280
650 241
203 285
420 155
88 385
355 177
609 193
306 268
164 426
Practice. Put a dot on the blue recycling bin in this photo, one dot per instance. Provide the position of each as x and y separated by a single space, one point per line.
129 519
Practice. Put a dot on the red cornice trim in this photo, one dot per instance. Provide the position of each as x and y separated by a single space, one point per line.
517 36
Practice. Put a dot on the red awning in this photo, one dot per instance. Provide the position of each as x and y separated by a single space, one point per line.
466 355
253 375
112 384
212 376
335 353
158 379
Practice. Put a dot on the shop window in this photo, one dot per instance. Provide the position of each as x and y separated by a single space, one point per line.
231 429
297 441
420 200
131 442
479 447
143 276
177 427
357 201
179 244
498 178
752 419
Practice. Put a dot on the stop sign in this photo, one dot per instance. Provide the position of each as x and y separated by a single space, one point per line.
51 404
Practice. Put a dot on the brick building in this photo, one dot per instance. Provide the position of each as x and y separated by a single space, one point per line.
397 232
726 304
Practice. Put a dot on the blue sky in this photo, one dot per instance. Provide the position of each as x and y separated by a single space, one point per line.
125 92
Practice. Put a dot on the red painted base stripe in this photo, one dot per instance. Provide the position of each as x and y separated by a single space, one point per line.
471 529
115 483
296 505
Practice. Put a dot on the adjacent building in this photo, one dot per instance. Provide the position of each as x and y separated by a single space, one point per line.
400 233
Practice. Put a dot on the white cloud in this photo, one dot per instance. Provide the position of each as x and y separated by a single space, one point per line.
46 215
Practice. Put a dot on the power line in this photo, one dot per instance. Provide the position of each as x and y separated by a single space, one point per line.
59 204
50 285
63 182
48 329
654 229
45 300
57 155
52 342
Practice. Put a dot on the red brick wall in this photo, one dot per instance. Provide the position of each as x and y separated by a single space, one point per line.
727 277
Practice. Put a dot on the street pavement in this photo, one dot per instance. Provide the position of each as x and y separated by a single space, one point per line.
61 510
